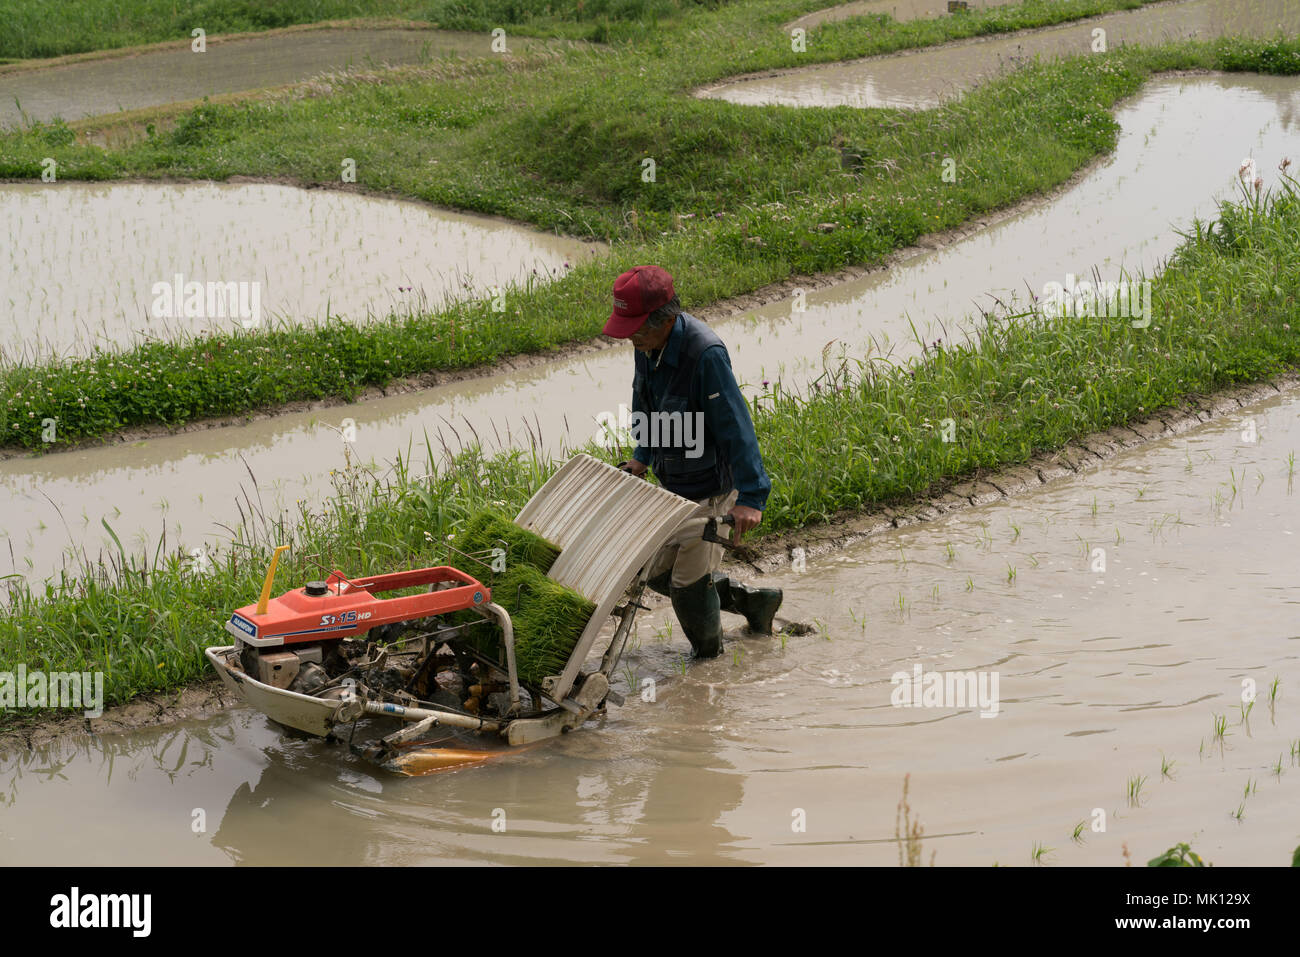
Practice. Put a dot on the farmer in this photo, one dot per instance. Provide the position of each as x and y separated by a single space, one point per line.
708 453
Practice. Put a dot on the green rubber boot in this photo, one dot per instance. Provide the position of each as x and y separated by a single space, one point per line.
758 605
698 611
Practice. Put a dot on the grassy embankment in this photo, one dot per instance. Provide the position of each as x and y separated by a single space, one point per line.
1225 311
737 200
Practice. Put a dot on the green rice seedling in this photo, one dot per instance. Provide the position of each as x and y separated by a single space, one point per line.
1245 708
1079 830
1273 690
1240 812
548 619
1118 539
1015 529
630 677
1251 787
952 552
1135 784
1277 767
682 662
1033 560
1011 574
1295 750
1038 853
487 530
908 832
1220 726
1094 506
1166 766
970 583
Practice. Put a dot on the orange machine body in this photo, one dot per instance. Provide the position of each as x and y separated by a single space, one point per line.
349 607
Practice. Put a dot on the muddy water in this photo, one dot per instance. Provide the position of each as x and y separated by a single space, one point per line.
306 251
922 79
109 85
1100 674
1121 215
900 10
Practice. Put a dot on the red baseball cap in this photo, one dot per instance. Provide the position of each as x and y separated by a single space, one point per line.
637 293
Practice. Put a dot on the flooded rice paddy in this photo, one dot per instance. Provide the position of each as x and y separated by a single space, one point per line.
106 267
1103 718
923 78
1122 214
110 84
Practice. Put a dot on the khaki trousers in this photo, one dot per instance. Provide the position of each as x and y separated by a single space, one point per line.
688 555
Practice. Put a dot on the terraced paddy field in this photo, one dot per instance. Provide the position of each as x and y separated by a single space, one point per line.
1080 519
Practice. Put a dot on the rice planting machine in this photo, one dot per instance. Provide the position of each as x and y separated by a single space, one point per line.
323 658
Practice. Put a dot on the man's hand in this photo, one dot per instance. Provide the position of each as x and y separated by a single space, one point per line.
745 519
636 468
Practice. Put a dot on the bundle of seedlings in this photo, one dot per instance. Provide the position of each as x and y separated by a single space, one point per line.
548 618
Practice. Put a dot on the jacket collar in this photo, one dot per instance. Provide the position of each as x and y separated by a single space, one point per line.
672 349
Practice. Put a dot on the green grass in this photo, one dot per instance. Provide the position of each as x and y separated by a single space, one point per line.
1223 307
547 140
41 28
36 28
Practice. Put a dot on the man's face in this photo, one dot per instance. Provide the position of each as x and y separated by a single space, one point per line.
647 340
